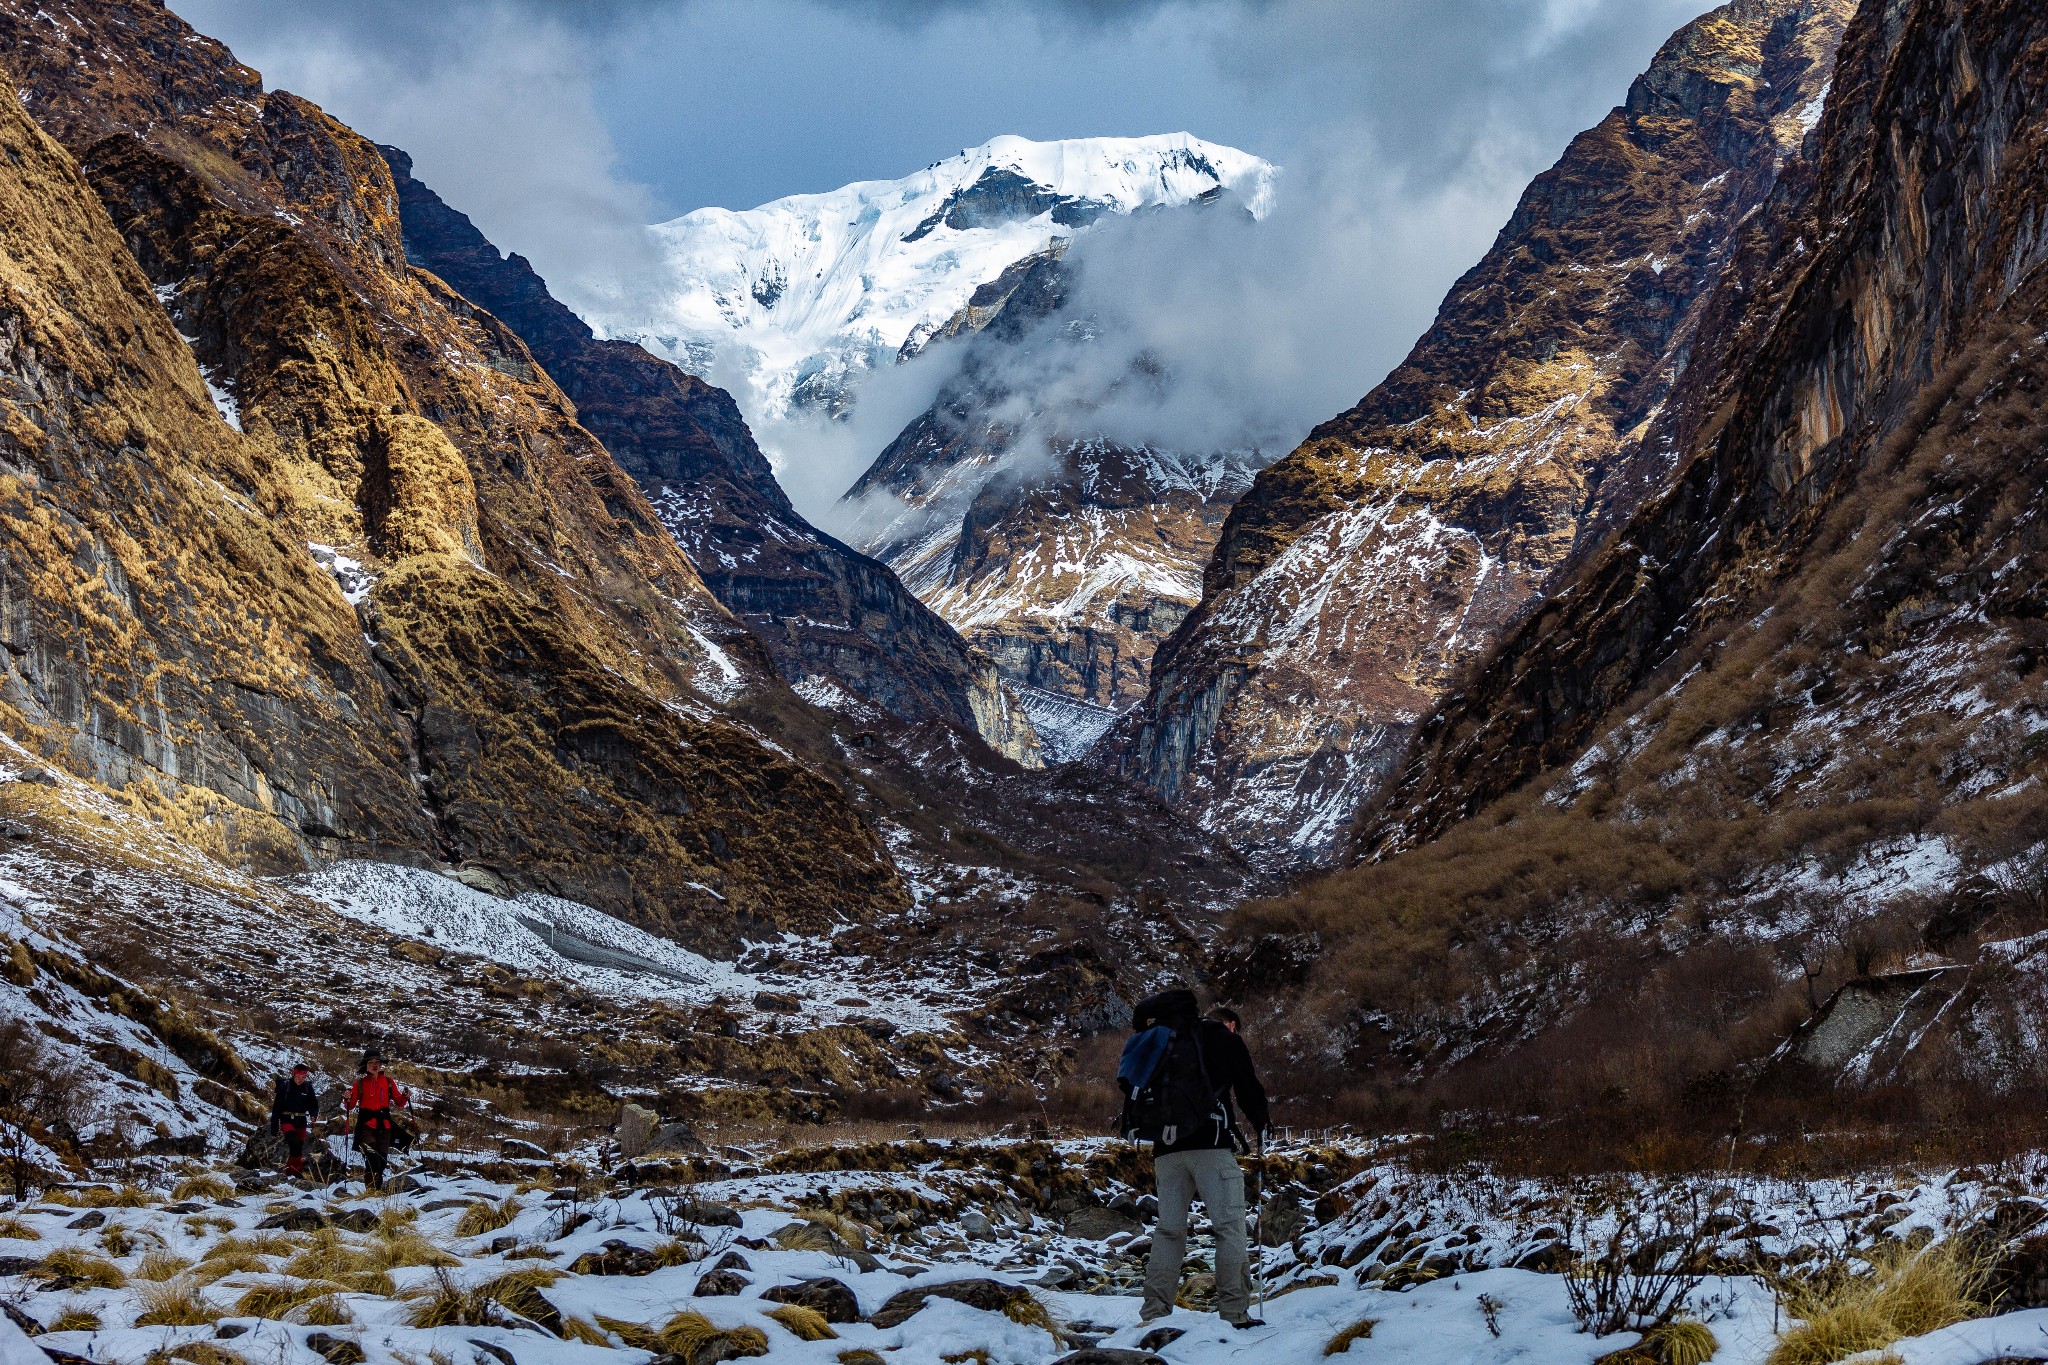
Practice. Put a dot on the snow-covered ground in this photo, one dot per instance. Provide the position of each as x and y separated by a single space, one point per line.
720 1251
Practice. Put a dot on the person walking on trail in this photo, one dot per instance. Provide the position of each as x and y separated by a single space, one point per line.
375 1099
1180 1074
291 1116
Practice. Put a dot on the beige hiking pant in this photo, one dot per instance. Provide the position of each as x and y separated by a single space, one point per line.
1219 1180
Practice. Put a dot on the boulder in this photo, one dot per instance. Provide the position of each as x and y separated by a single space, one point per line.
615 1258
1094 1223
355 1220
334 1350
636 1128
1159 1338
519 1149
1109 1355
720 1284
297 1220
703 1212
732 1260
85 1221
831 1299
991 1295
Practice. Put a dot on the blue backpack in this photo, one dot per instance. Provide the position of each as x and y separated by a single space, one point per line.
1168 1096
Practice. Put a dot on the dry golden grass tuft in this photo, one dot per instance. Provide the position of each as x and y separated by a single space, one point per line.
276 1300
206 1185
81 1267
1684 1342
202 1353
159 1266
805 1324
484 1216
324 1310
576 1329
1907 1292
692 1335
861 1355
1357 1331
76 1320
15 1229
175 1303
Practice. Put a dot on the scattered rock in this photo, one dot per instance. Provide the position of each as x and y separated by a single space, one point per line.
1093 1223
17 1265
520 1149
732 1260
677 1137
977 1226
775 1002
990 1295
297 1220
89 1220
402 1184
185 1206
1059 1277
340 1350
717 1284
830 1298
1159 1338
1109 1355
439 1204
355 1220
28 1325
228 1331
503 1356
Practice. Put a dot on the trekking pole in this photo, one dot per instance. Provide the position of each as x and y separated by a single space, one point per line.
1259 1224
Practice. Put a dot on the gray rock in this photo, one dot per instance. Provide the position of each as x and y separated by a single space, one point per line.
520 1149
977 1226
1097 1224
830 1298
298 1220
637 1126
1109 1355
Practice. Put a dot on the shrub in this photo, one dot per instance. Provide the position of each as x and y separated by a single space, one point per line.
1357 1331
204 1186
1907 1292
1636 1256
174 1303
483 1216
806 1324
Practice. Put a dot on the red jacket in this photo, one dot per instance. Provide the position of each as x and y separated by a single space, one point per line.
376 1092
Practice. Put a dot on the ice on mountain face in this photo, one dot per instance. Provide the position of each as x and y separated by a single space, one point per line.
788 304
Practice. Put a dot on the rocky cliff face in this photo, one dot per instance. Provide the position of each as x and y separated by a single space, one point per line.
1066 558
831 618
305 550
1782 730
1364 573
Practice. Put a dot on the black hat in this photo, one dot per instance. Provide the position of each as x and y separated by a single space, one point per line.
373 1055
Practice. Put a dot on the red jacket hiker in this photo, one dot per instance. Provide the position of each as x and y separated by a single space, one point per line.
372 1098
376 1094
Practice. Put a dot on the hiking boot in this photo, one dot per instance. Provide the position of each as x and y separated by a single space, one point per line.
1249 1323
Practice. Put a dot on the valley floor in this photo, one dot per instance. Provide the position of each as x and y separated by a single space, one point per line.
479 1258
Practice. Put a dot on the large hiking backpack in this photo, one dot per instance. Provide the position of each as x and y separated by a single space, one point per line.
1168 1096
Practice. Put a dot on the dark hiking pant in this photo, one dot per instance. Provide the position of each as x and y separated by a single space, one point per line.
373 1140
294 1136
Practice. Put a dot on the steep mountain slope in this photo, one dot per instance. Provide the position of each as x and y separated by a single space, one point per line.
829 616
1064 556
786 304
1784 729
1362 574
524 679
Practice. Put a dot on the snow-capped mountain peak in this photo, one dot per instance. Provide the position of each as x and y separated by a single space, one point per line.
783 303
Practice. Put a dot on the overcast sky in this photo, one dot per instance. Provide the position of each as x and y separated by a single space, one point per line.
1406 129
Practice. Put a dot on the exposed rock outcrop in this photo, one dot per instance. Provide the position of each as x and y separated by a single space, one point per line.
1064 557
527 678
1364 573
825 612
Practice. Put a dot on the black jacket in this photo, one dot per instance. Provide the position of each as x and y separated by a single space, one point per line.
295 1102
1229 1064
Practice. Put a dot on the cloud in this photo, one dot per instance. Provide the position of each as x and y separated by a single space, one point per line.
493 100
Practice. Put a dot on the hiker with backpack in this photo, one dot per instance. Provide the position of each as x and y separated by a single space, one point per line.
292 1108
375 1099
1179 1074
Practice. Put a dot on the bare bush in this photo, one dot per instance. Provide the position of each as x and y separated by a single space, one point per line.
1637 1255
